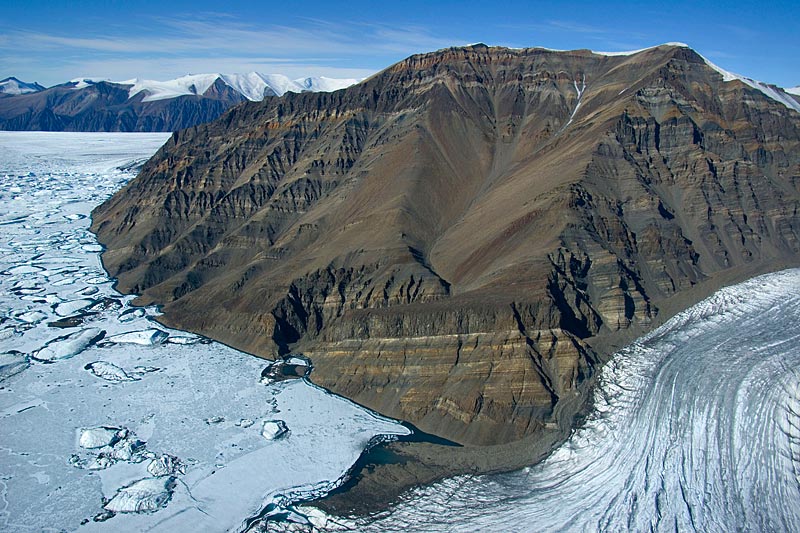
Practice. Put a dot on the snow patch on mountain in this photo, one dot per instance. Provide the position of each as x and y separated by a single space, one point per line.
632 52
772 91
14 86
82 83
793 90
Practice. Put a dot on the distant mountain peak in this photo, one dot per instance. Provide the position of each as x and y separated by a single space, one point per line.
14 86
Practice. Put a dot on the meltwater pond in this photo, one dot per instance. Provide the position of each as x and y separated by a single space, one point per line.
696 427
108 420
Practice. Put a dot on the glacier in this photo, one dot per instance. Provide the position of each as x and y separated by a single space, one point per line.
112 422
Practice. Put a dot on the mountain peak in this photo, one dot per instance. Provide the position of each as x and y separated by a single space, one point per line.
473 219
15 86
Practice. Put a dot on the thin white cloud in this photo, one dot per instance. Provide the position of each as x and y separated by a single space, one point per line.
206 42
171 36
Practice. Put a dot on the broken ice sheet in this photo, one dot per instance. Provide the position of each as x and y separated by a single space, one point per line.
46 406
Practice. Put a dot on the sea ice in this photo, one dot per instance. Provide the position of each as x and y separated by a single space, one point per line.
101 436
31 317
128 449
274 429
166 465
12 363
146 495
69 345
147 337
129 315
231 470
72 307
108 371
184 339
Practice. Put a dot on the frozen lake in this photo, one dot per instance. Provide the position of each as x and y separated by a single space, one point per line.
109 421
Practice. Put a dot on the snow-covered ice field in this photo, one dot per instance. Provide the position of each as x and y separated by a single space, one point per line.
108 420
696 427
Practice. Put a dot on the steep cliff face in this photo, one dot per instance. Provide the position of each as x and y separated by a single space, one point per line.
448 238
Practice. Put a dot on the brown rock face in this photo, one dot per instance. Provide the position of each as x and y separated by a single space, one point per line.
447 239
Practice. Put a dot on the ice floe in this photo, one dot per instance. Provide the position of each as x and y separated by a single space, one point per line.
12 363
146 337
166 465
69 345
130 314
109 372
274 429
145 495
101 436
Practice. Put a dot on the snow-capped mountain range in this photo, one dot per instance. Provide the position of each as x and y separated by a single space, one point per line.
87 104
254 86
91 104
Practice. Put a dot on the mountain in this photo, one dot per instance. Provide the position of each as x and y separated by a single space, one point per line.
12 87
462 239
142 105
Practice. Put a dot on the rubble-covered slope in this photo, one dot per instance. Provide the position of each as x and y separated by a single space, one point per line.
447 239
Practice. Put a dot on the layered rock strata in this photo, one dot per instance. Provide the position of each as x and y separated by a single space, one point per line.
448 239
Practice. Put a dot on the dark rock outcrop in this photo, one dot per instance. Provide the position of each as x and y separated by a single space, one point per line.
459 240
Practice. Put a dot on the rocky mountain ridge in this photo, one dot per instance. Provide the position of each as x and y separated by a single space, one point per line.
459 240
141 105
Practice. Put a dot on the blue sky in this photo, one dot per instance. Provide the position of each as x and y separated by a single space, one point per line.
53 41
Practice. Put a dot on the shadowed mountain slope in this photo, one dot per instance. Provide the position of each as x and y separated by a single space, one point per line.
460 239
